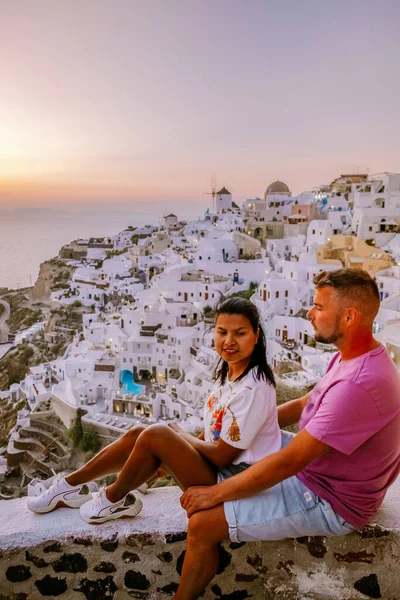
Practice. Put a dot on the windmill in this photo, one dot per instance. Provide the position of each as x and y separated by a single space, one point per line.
213 190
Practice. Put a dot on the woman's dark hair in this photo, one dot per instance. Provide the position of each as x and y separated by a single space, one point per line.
258 360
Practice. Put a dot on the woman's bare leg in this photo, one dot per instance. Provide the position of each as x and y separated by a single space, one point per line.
206 529
108 461
158 445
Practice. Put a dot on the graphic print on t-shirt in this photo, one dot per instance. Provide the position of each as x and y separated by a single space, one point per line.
218 411
211 403
243 414
216 421
234 430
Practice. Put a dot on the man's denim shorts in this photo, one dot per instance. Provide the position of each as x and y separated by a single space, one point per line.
287 510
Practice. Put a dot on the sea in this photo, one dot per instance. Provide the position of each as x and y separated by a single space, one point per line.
30 236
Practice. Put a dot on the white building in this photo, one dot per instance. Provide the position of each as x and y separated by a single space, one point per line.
318 234
279 296
377 209
170 220
223 200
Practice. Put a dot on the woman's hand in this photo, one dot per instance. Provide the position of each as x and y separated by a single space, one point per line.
199 497
175 427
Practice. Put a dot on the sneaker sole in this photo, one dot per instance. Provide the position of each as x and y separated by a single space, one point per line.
130 513
61 504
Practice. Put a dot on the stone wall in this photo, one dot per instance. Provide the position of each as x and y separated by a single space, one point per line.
58 555
66 413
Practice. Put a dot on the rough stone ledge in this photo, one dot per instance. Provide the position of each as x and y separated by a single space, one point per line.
58 555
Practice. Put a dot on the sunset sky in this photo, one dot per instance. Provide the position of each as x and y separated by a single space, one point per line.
121 100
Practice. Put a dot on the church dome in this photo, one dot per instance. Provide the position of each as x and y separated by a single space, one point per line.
278 187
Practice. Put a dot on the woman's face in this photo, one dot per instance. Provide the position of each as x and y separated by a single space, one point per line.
234 338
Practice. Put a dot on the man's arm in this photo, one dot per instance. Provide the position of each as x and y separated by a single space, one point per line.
269 471
290 412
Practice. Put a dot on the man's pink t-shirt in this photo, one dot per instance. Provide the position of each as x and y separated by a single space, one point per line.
355 409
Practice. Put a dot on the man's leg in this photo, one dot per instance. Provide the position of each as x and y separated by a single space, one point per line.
206 529
158 445
109 460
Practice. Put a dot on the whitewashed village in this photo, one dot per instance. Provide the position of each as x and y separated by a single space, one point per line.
144 352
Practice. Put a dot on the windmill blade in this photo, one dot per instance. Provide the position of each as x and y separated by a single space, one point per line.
213 189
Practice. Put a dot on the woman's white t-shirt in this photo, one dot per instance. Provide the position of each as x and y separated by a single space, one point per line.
244 415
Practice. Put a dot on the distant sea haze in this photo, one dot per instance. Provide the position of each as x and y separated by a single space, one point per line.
27 238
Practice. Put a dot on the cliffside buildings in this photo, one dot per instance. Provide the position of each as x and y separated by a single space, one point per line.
146 349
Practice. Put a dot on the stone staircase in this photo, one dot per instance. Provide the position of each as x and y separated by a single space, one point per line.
42 447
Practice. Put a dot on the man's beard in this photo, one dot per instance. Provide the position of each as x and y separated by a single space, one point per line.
333 338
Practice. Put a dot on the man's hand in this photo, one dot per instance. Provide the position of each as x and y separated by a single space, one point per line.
198 498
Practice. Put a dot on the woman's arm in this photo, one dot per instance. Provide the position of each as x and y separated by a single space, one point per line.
218 453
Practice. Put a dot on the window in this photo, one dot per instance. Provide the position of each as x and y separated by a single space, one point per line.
313 231
276 294
286 293
278 332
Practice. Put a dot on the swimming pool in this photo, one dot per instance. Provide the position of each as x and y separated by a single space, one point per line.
128 383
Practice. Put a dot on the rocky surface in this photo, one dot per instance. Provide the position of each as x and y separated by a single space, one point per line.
53 273
59 555
4 316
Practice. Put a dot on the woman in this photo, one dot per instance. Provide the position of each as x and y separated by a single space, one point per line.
241 427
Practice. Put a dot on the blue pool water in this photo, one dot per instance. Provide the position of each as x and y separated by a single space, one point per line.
128 384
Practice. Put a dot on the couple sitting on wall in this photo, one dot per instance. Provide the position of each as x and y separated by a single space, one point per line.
244 478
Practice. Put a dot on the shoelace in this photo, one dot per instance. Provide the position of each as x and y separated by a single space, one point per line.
53 485
99 497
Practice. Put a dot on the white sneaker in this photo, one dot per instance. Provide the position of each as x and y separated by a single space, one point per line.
60 493
100 509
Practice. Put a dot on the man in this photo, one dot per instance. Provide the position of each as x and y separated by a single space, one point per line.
330 478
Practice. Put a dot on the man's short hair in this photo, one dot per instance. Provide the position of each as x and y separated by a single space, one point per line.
355 286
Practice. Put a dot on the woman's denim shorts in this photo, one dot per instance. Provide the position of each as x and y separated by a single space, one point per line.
287 510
